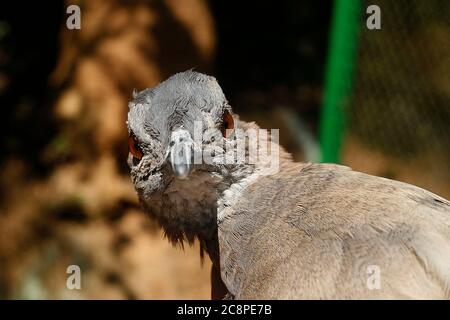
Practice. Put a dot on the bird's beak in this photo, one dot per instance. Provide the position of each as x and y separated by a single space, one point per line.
181 153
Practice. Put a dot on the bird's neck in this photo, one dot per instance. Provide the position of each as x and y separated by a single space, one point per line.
190 209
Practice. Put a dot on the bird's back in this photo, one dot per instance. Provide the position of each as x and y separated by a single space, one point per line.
315 231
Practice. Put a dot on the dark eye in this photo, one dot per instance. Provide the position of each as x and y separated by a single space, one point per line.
227 123
134 147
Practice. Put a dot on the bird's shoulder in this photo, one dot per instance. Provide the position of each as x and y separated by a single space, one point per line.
328 195
310 214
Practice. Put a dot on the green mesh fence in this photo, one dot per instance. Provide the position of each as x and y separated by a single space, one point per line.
401 98
398 106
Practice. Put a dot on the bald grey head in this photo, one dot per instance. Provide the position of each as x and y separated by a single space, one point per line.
164 124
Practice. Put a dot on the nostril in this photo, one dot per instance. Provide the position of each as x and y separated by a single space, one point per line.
172 143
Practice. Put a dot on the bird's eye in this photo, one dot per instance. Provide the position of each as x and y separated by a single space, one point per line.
227 123
135 149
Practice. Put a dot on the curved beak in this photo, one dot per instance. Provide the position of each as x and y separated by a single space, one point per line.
181 153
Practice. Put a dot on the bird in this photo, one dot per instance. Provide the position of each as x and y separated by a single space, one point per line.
289 231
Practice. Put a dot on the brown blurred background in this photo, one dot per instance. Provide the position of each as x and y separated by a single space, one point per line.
65 194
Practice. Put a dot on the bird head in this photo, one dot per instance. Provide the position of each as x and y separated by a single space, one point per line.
181 134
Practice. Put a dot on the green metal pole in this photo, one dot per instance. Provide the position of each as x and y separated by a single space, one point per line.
345 25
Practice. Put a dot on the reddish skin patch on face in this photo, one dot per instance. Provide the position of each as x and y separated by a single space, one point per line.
133 145
227 124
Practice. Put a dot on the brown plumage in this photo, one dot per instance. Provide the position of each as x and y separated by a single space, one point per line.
313 231
307 231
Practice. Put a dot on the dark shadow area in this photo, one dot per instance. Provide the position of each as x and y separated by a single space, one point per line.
173 39
28 46
272 48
